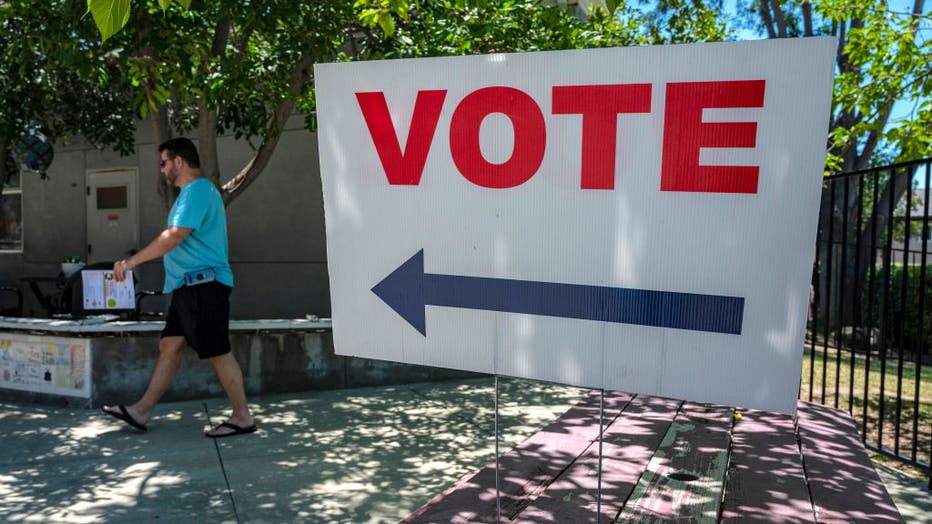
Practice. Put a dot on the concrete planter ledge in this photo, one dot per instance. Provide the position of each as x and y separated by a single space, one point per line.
106 324
93 361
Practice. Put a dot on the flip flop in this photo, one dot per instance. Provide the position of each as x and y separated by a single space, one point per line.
125 417
237 430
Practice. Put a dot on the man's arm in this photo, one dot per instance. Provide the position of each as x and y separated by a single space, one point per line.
165 242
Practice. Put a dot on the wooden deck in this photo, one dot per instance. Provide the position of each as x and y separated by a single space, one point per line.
667 460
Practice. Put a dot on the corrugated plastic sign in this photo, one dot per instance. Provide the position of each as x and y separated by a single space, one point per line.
641 219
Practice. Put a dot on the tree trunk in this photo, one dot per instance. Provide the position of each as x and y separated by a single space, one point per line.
158 117
778 18
207 143
161 132
247 175
256 165
847 249
877 224
849 260
207 116
764 11
807 18
4 153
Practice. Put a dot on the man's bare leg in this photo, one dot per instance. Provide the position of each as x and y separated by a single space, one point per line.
231 378
166 368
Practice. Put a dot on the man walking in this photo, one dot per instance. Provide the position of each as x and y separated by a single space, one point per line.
197 273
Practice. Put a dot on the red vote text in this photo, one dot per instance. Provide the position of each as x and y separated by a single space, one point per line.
598 107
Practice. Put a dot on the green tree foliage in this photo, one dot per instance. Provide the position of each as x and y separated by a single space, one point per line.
244 67
224 67
884 56
683 21
439 28
200 68
112 15
460 27
61 89
203 68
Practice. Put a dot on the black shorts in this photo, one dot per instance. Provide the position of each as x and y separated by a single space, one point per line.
201 314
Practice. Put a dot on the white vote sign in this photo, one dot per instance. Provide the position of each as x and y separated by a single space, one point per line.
640 219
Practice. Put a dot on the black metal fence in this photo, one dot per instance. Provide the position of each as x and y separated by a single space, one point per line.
869 347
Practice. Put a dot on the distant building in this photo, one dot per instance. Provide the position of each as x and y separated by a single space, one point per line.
99 206
918 222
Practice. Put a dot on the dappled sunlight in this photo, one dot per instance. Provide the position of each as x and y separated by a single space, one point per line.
7 411
661 459
527 468
106 493
764 478
373 455
426 468
96 469
377 454
827 440
90 429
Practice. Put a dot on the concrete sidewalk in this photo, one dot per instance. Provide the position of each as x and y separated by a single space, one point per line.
355 456
367 455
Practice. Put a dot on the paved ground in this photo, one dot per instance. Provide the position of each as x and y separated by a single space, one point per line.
367 455
910 494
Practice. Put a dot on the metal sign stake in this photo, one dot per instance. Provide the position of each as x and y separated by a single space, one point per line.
601 426
498 498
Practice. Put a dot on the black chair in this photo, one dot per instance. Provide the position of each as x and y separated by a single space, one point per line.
150 314
15 306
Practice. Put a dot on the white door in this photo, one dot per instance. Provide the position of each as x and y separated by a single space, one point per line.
112 215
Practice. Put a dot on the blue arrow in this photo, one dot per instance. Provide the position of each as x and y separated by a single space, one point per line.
408 290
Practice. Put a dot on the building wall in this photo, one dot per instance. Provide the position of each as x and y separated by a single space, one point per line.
277 239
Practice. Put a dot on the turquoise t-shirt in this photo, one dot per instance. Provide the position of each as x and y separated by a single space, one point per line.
199 207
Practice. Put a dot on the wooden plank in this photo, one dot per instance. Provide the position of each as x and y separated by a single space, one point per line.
628 445
842 482
525 470
685 478
766 482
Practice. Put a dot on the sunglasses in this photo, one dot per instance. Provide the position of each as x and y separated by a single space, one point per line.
163 162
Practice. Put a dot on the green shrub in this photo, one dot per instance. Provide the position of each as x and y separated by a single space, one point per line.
903 322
